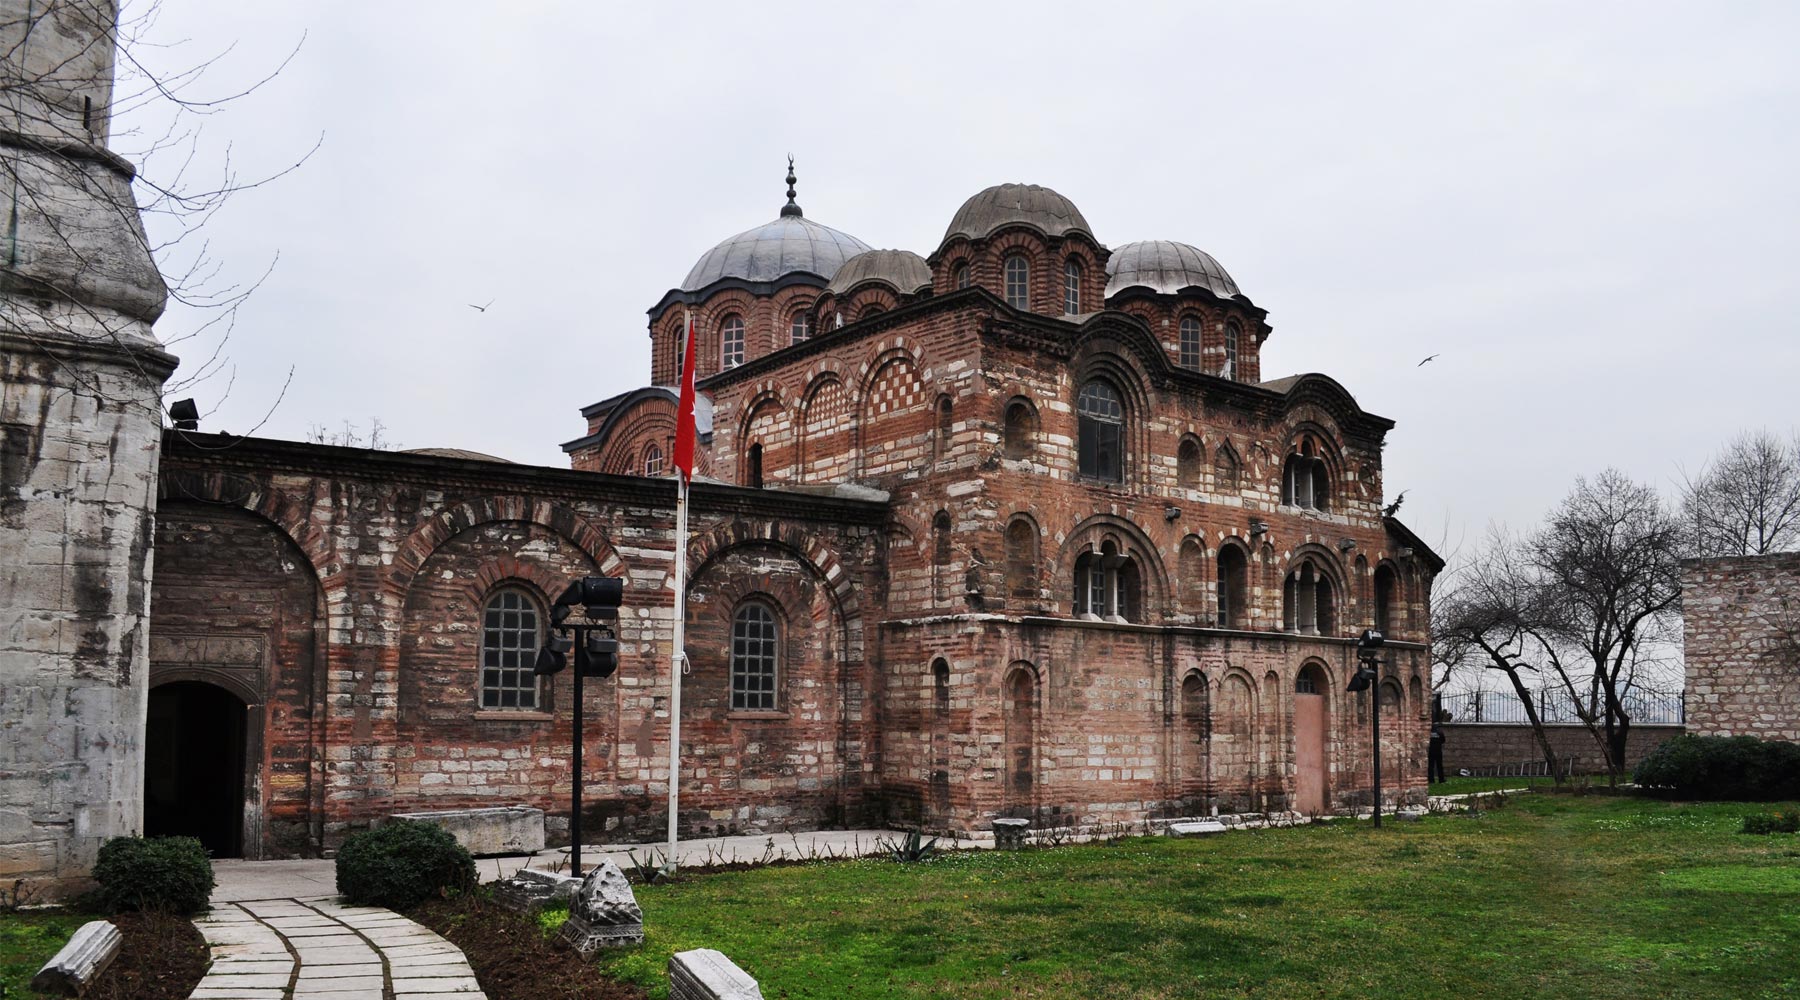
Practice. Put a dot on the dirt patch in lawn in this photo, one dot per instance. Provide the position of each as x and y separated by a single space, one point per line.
511 956
161 958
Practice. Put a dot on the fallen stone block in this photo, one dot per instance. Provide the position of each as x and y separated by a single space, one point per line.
497 830
603 913
529 890
88 953
704 974
1199 828
1010 832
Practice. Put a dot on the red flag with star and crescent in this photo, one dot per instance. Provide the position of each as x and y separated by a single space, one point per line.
684 418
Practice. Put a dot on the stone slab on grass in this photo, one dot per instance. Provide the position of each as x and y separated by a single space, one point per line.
496 830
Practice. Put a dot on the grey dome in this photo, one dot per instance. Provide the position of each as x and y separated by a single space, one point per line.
1006 204
789 244
902 270
1168 267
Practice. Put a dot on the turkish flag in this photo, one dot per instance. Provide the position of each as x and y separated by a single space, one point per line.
684 417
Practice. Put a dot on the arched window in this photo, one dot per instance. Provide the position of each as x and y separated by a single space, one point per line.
946 420
653 460
1307 600
1107 585
872 309
754 642
940 686
680 354
959 275
1189 459
1020 432
1018 281
1072 286
753 468
800 328
1385 587
1190 342
1234 587
1100 416
1305 480
510 637
731 342
1021 559
1231 350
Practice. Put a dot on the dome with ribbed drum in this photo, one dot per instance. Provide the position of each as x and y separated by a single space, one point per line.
902 270
1168 267
789 245
1017 204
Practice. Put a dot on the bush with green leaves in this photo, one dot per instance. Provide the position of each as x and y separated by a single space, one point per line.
1781 821
1723 768
911 849
162 874
401 864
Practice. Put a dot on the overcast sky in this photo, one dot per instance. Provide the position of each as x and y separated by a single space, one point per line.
1587 211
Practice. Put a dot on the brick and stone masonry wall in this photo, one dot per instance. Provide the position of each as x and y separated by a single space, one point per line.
1488 744
1741 620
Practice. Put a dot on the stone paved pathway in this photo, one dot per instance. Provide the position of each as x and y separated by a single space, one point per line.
318 949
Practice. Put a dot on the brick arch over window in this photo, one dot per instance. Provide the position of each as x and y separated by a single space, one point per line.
767 422
458 518
1118 370
807 547
651 420
891 392
1092 534
824 431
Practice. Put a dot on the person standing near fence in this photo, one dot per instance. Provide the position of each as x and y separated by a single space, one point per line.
1434 755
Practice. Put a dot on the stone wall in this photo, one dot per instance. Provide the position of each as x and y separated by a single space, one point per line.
1488 744
1741 620
80 414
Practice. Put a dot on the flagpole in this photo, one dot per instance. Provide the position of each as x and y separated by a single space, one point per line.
685 434
676 661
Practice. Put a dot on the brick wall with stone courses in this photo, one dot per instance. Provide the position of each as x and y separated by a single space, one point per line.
405 549
237 605
1485 744
1112 742
1741 627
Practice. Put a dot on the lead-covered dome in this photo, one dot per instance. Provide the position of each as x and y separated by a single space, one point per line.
1009 204
770 251
902 270
1168 267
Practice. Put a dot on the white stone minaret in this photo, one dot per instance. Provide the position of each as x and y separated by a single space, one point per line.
80 434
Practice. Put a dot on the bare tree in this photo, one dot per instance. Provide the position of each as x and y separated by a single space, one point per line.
97 241
1490 615
1609 589
1746 502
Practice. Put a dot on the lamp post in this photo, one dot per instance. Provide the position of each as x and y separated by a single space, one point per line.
596 648
1368 658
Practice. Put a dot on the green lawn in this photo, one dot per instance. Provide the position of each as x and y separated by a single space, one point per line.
27 941
1549 896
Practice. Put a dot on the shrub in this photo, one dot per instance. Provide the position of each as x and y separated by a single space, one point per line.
164 874
401 864
1741 768
1784 821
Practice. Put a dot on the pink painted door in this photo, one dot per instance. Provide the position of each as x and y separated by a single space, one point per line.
1309 753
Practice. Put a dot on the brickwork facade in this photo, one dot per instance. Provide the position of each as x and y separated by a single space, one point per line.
1741 623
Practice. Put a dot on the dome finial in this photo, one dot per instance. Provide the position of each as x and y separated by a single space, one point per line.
792 207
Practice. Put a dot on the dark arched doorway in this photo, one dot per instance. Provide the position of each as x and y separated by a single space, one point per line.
194 766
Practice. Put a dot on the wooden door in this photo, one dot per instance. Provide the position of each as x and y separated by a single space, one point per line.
1309 753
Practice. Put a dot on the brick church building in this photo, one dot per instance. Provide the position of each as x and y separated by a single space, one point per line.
1015 528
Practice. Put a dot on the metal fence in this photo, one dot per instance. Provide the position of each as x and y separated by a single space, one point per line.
1565 767
1648 708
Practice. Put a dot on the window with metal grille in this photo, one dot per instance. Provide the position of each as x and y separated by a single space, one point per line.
509 644
960 276
753 644
1190 342
1018 281
1101 430
1072 286
731 342
800 328
653 461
